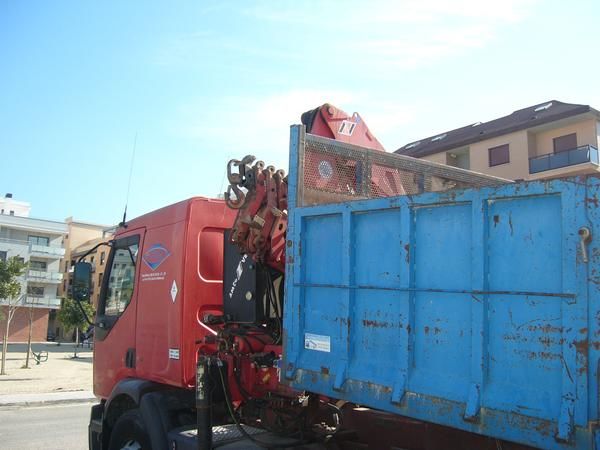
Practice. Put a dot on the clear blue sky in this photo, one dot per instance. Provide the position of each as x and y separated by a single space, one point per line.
202 82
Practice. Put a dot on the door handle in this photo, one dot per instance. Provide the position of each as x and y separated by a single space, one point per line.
130 358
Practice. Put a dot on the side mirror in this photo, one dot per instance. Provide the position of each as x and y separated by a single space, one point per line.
82 280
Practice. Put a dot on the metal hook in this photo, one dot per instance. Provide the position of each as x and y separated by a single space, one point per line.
240 197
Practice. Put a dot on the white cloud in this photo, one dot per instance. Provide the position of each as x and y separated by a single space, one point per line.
386 35
399 34
260 125
359 12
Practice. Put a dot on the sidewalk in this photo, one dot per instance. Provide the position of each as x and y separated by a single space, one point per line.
60 379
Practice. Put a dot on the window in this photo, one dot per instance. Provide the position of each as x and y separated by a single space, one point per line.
39 240
37 265
92 259
12 213
499 155
3 256
35 291
102 258
122 276
565 143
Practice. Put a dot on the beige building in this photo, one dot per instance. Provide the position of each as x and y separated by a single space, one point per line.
97 258
552 139
79 235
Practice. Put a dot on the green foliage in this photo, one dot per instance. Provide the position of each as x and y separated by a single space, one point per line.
70 314
10 270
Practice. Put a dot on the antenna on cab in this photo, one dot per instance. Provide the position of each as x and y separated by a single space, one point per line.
123 224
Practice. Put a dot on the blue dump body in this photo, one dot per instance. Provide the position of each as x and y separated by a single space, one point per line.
478 309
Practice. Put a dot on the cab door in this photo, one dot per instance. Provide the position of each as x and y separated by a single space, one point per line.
114 334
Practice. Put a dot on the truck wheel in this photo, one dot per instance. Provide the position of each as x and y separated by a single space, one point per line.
129 433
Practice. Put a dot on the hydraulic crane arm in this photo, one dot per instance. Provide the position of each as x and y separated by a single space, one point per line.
260 194
261 222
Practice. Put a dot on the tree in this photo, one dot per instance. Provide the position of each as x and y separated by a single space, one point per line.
71 317
26 366
10 293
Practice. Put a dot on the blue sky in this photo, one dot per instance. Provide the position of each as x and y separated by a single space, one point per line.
202 82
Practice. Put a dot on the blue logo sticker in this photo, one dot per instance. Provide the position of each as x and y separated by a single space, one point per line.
155 256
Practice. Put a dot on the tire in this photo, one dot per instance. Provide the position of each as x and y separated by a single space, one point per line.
129 433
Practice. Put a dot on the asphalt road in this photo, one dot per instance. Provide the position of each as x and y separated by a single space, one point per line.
54 427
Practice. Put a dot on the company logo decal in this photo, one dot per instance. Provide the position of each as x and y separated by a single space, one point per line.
155 256
238 272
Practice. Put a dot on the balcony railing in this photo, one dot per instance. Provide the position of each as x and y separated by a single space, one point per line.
43 251
42 302
44 276
579 155
47 251
14 241
36 301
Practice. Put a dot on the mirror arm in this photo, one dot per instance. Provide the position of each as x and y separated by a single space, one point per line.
85 316
81 258
91 250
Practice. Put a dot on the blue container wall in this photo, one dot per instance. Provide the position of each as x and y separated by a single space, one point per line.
472 309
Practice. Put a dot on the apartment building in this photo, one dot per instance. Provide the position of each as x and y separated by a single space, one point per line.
548 140
37 242
12 207
76 241
97 258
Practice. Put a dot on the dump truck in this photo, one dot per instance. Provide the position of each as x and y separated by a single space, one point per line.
365 300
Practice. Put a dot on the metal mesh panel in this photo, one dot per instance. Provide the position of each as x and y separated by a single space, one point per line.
332 172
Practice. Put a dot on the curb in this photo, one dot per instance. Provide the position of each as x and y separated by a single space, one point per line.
52 398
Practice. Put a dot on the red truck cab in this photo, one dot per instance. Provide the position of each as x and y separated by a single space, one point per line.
160 313
165 272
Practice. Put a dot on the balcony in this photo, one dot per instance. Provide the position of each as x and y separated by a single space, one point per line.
16 247
50 302
551 161
44 276
39 251
47 251
35 301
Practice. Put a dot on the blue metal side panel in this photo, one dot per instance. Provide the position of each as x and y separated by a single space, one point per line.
472 309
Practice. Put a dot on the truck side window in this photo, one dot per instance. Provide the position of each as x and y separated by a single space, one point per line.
121 278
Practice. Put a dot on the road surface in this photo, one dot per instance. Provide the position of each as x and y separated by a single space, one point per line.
53 427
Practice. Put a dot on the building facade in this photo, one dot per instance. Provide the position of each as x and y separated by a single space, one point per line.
39 243
549 140
97 258
76 242
12 207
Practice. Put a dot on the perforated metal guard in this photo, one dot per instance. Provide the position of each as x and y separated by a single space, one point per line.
330 171
227 433
224 434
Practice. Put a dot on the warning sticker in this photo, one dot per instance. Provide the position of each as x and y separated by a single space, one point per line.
317 342
173 353
173 291
347 127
